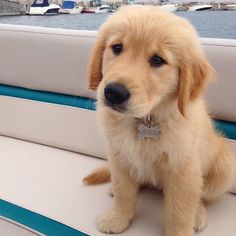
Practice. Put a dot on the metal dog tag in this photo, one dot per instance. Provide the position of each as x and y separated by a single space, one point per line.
149 132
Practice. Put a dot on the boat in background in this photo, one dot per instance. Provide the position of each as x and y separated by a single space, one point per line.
103 9
200 7
87 10
165 5
42 7
230 7
70 7
168 7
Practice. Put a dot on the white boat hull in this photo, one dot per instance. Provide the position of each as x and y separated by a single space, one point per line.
230 7
102 10
52 9
200 8
74 11
168 7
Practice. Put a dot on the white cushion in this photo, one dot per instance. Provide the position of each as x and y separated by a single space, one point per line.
48 181
45 59
56 60
221 94
59 126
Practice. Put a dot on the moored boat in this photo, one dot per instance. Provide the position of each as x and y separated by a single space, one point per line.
69 7
168 7
201 7
42 7
87 10
230 7
103 9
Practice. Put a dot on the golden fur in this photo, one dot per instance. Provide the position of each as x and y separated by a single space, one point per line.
190 162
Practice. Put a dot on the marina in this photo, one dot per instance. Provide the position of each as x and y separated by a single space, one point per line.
212 24
53 7
215 19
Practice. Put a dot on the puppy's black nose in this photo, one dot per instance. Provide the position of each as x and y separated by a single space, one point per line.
116 93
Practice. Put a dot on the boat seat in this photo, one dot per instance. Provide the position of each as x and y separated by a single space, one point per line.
48 181
44 59
55 60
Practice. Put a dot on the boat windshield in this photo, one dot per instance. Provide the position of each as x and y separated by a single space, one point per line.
40 3
68 4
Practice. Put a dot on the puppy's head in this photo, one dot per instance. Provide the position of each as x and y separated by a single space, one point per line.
144 56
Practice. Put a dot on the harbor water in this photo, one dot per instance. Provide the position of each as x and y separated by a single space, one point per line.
212 24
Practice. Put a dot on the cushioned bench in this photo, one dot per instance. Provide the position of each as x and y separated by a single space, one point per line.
47 181
227 128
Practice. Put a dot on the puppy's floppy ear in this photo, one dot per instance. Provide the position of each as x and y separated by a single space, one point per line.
95 64
195 71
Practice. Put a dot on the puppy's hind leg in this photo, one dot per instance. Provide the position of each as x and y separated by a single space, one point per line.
220 177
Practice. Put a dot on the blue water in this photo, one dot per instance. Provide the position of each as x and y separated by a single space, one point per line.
213 24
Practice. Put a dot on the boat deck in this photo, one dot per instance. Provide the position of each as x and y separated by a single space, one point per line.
8 228
47 180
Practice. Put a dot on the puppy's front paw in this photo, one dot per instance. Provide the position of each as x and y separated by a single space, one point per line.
113 221
200 219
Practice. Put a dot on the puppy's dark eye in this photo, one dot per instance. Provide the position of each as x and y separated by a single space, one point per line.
156 61
117 49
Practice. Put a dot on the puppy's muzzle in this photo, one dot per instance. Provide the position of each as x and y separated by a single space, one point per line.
116 94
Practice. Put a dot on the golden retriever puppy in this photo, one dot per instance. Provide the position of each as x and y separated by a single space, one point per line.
150 72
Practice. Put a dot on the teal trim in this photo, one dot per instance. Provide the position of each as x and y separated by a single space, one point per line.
36 221
228 129
50 97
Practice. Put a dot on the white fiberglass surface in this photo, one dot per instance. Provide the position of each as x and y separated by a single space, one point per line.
8 228
48 181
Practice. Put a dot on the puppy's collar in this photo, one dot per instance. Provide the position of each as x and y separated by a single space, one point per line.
147 128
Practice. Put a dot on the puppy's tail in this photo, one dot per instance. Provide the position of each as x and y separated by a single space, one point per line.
98 176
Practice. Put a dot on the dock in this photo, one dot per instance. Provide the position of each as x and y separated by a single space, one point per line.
10 8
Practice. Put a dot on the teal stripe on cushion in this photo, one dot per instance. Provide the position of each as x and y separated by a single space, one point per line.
36 221
225 127
228 129
50 97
